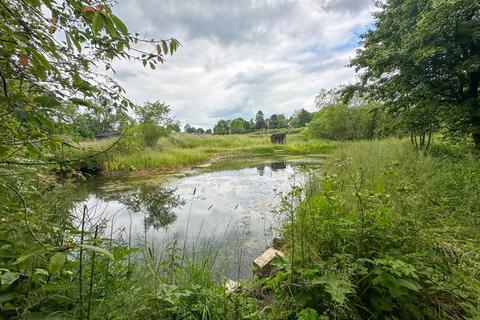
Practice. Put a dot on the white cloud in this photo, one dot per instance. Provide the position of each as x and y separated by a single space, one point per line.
241 56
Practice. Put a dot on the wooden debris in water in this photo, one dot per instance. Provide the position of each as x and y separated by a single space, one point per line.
231 286
262 263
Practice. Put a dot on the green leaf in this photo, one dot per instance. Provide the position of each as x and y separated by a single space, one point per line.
41 271
164 46
99 250
98 22
8 296
80 102
307 314
28 255
338 288
111 28
9 277
412 285
56 262
119 24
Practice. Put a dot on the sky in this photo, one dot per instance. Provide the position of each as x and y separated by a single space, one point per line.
241 56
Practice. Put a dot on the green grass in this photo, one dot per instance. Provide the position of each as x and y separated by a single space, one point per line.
185 149
385 231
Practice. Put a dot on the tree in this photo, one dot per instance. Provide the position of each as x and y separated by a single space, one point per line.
189 129
425 55
89 123
174 126
259 121
238 126
282 121
154 122
300 118
222 127
326 98
154 112
40 74
208 131
273 123
250 125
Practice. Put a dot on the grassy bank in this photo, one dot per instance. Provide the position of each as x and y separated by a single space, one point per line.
383 232
185 149
386 232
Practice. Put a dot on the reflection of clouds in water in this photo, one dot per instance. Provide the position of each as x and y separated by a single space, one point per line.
230 209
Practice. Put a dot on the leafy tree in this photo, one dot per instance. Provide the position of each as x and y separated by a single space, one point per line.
326 98
273 122
88 124
154 122
222 127
208 131
238 125
424 55
174 126
187 128
259 121
344 122
41 74
282 121
250 125
154 112
300 118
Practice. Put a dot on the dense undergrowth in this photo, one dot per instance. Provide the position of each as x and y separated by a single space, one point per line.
185 149
383 232
387 232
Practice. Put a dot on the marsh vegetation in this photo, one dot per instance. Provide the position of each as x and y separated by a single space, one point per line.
108 211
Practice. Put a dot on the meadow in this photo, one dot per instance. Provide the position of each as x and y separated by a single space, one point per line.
183 149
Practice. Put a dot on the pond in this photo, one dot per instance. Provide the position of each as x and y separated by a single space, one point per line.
229 210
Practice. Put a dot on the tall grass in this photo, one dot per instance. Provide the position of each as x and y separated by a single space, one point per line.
385 232
185 149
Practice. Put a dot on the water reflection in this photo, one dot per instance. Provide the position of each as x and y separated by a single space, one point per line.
275 166
157 203
230 212
261 170
278 165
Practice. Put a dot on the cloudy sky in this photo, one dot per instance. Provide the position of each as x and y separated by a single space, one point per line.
241 56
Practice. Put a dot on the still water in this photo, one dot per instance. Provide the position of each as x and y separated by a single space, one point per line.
232 210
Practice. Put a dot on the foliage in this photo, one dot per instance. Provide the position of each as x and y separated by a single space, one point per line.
423 57
42 75
259 120
55 68
190 129
300 118
385 232
222 127
100 121
344 122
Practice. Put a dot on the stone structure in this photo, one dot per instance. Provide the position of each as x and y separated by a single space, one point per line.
278 138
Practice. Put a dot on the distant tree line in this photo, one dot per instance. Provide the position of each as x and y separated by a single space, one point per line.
190 129
299 119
